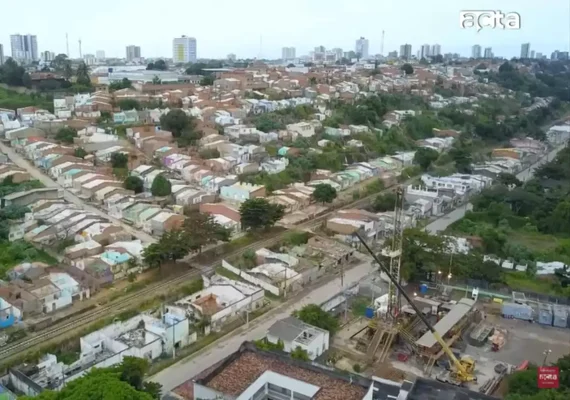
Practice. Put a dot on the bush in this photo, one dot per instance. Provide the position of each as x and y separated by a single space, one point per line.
297 238
134 183
300 354
357 368
161 186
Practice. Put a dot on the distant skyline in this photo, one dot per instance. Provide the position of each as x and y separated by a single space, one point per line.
231 27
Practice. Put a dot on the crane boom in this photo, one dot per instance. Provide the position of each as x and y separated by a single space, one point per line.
401 291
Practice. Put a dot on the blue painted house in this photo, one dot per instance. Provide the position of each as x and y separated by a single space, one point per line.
9 315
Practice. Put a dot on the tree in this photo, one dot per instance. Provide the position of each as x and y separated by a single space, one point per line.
176 121
67 70
11 73
208 80
421 253
129 104
314 315
134 183
425 156
209 153
156 80
172 246
133 370
202 230
119 382
408 69
154 389
80 152
312 80
461 155
158 65
259 213
300 354
384 202
507 179
125 83
324 193
82 74
290 65
66 135
119 160
161 186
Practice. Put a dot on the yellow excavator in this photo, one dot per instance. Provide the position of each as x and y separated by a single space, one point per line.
461 371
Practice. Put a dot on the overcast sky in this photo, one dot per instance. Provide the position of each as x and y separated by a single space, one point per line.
229 26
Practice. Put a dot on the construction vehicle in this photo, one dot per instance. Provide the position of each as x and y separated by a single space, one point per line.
461 371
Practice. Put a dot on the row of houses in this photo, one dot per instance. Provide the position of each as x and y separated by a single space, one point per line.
147 336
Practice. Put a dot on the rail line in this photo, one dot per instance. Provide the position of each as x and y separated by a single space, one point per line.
126 302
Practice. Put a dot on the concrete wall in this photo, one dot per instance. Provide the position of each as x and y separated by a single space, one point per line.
251 279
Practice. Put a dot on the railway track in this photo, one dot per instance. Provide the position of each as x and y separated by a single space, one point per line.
9 352
116 307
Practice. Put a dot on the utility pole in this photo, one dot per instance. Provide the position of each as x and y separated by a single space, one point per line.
67 44
382 44
80 55
173 340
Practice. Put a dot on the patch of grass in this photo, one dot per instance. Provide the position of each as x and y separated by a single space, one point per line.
227 273
535 241
12 100
19 251
519 281
359 305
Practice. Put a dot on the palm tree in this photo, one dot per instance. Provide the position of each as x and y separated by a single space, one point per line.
67 70
82 74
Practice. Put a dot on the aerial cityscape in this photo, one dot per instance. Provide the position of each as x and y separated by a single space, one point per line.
358 204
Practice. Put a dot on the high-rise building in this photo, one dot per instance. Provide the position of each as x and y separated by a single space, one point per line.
48 56
1 54
488 52
133 52
24 47
89 59
232 57
338 53
100 54
538 55
525 50
362 48
184 50
435 50
554 55
476 51
532 54
288 53
393 54
406 51
563 55
425 51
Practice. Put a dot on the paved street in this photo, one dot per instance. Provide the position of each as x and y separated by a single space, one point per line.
443 222
191 366
48 182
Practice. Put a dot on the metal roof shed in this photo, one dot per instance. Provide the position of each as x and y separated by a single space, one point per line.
446 323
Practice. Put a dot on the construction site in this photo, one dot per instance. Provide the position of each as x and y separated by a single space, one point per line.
401 334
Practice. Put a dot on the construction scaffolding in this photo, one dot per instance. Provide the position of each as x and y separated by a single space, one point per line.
385 330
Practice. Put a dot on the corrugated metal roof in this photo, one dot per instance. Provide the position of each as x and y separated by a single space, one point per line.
446 323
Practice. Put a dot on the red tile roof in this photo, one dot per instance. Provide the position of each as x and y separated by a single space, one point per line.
249 366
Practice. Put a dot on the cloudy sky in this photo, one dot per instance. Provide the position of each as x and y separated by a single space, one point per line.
229 26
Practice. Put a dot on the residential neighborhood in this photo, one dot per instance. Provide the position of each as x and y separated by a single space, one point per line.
282 227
